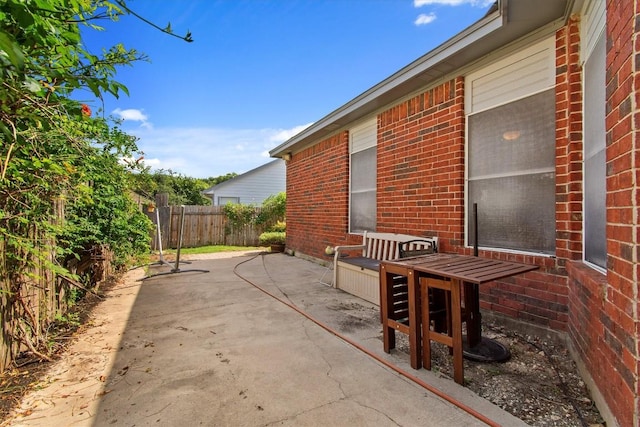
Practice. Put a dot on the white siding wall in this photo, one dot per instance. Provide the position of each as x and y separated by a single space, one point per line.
254 186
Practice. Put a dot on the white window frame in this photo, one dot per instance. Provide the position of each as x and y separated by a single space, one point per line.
227 199
502 83
362 137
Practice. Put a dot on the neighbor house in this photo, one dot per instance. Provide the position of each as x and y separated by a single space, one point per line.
531 114
250 188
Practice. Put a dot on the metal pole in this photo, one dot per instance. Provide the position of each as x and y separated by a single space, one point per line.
159 236
177 267
475 229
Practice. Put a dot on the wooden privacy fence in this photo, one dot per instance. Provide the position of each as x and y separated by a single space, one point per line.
28 303
203 226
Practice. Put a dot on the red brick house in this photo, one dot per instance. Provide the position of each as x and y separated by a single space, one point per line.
530 113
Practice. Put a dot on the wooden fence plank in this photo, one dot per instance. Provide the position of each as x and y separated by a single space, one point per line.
203 226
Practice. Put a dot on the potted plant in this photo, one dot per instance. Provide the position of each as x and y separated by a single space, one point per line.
274 237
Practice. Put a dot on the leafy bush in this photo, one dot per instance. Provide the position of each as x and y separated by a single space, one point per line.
62 184
272 238
270 215
273 209
275 235
278 226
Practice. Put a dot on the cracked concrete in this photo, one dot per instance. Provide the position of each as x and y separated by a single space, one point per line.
210 349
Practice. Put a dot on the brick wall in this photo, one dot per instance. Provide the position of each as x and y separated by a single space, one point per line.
421 165
603 324
568 144
421 191
594 335
318 196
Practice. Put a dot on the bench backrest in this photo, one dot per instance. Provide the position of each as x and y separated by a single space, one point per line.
423 246
385 246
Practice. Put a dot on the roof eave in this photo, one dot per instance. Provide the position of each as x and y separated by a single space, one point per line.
370 98
483 36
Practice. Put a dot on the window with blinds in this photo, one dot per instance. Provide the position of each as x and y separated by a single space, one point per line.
363 175
511 137
511 174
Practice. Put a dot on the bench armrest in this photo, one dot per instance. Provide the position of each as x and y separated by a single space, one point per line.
344 248
336 257
348 247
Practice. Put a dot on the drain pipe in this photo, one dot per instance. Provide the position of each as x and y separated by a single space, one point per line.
386 363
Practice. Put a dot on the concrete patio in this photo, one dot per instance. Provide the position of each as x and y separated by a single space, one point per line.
213 349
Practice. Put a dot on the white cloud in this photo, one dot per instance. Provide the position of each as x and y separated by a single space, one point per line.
424 19
133 115
476 3
208 152
286 134
154 163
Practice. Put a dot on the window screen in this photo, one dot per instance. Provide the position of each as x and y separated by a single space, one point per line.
363 191
595 239
511 174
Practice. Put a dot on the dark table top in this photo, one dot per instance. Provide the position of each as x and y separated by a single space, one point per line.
463 267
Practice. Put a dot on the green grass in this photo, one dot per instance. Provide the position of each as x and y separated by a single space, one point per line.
212 249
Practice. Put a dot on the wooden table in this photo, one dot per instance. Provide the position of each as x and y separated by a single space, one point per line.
461 270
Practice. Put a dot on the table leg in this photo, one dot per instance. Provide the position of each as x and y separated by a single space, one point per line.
386 302
456 322
426 325
415 330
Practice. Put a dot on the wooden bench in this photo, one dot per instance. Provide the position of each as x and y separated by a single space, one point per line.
359 274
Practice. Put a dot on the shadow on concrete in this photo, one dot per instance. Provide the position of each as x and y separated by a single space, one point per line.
213 349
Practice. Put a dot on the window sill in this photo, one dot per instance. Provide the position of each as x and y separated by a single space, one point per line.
513 252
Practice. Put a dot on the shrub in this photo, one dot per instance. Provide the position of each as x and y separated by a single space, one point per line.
278 226
272 238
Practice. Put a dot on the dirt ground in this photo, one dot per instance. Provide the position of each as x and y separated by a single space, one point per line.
539 383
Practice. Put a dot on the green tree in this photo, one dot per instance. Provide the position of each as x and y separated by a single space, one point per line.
54 152
211 181
48 137
181 189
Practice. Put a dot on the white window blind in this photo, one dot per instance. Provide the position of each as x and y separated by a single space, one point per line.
529 71
363 175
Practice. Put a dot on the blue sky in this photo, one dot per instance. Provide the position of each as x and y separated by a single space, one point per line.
259 71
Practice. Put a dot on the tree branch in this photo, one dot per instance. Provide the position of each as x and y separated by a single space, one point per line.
166 30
